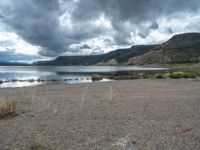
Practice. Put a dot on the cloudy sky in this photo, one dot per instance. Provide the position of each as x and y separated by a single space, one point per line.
44 29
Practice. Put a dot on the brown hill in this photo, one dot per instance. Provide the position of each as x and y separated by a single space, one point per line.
180 48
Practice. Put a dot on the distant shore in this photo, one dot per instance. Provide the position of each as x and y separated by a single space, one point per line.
137 114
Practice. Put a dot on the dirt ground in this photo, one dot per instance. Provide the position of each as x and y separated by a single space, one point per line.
125 115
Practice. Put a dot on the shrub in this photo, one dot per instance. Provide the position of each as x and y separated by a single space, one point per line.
176 75
198 74
7 108
134 76
179 75
160 76
189 75
141 75
96 78
31 80
147 76
1 82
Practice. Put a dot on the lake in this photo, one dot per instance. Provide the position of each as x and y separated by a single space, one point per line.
19 76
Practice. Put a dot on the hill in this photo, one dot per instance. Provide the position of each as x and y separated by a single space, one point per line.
182 48
117 57
3 63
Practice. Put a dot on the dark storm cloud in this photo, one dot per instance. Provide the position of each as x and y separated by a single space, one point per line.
170 30
136 10
1 16
154 26
133 11
83 31
121 38
37 21
85 46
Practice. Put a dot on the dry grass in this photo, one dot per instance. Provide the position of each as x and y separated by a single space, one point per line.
7 108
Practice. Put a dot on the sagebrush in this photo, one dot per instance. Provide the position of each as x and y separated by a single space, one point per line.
7 108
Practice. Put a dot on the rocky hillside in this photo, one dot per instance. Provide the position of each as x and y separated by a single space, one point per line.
179 49
117 57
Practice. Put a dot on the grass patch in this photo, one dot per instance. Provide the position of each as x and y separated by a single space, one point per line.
198 74
189 75
179 75
173 75
176 75
7 108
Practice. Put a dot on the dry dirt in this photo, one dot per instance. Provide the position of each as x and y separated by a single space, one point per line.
125 115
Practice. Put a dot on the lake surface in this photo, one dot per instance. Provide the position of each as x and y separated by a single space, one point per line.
18 76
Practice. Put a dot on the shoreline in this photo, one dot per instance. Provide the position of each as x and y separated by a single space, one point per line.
159 71
105 77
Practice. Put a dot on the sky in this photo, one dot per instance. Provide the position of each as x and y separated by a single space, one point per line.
32 30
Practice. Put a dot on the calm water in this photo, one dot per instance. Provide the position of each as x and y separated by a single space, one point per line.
68 74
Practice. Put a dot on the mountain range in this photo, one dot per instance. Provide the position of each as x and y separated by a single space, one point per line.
181 48
117 57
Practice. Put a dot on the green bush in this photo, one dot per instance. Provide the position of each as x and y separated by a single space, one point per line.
189 75
198 74
176 75
179 75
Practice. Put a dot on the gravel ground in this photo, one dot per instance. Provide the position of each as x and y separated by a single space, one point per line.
121 115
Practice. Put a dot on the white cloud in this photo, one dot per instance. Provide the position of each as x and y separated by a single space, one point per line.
10 41
103 22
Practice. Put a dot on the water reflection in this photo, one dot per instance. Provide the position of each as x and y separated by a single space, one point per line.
19 76
24 83
18 84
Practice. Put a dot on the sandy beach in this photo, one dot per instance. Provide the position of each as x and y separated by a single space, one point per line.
131 114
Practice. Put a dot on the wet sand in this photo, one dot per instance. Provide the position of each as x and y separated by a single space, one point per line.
131 115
